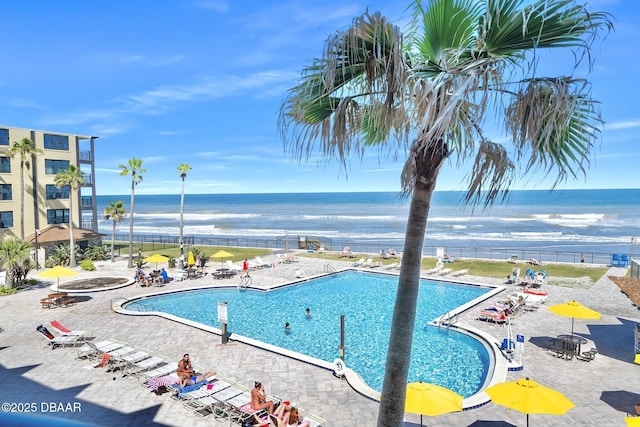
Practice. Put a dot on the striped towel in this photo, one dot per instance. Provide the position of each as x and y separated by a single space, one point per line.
156 382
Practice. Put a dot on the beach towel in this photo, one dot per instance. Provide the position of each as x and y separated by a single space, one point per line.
105 359
155 383
192 387
44 331
59 327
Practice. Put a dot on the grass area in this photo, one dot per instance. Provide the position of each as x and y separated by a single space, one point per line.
487 268
239 254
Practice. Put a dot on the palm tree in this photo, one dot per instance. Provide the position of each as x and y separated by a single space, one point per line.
26 150
427 95
116 213
183 169
133 168
16 258
72 177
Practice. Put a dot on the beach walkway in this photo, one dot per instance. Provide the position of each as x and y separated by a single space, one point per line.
604 390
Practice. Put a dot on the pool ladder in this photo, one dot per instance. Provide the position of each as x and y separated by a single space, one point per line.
245 282
328 268
447 318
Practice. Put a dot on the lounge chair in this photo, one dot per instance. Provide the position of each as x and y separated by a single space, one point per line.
54 341
299 273
67 332
143 365
433 270
155 383
346 253
513 259
367 263
160 371
180 275
493 314
358 263
231 266
261 263
514 277
459 273
391 266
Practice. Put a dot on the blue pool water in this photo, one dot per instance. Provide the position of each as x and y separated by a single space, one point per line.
439 355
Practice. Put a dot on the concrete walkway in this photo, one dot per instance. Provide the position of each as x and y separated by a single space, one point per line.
56 383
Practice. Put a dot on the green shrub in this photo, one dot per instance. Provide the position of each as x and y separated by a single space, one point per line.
172 262
87 265
7 291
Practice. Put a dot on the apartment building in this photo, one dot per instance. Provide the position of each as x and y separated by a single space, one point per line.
47 208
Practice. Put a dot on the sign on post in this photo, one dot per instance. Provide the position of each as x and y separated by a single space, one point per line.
520 343
222 318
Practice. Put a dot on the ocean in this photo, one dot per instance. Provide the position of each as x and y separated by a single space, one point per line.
571 221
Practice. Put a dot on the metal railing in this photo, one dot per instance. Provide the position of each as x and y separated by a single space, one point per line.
152 242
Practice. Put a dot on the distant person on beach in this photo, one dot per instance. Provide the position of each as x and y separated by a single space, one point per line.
392 252
582 258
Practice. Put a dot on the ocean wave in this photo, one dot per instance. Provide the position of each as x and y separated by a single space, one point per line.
193 216
351 217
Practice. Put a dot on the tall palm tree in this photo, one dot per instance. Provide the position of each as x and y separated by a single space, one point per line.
73 178
133 168
116 213
428 96
183 169
26 151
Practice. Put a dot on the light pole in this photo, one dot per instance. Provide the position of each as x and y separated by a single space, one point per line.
37 231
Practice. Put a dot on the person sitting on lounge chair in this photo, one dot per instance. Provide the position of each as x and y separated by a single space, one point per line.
185 380
259 398
288 415
185 367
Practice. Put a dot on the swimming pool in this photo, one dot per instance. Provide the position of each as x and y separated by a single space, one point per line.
441 356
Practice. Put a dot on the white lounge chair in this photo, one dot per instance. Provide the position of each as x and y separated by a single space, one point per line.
299 273
391 266
261 263
358 263
459 273
231 266
367 263
434 270
444 272
53 341
66 331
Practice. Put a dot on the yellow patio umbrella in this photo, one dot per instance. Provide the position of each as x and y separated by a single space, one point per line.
430 399
222 254
633 421
575 310
637 359
57 272
191 260
156 258
529 397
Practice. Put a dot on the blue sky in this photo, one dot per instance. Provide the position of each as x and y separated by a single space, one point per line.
200 82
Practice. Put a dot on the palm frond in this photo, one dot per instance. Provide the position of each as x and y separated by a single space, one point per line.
555 122
491 175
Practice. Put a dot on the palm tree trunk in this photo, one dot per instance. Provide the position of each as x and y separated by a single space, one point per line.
181 224
113 242
133 186
22 201
72 242
391 410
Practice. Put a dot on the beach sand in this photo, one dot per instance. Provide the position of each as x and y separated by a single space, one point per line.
604 390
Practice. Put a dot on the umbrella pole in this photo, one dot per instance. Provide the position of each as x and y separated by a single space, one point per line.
527 420
572 320
420 420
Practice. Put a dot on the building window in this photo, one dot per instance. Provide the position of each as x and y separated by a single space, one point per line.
52 167
6 219
56 142
5 191
54 192
57 216
4 136
5 165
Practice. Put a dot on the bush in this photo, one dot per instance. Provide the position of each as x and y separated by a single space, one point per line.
97 252
7 291
87 265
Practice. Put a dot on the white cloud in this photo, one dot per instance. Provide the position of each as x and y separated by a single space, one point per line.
631 124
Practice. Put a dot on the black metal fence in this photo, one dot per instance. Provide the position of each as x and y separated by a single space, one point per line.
154 242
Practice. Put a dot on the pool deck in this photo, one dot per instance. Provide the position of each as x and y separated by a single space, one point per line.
604 390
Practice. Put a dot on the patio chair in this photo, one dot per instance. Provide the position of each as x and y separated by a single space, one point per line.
54 341
459 273
358 263
67 332
588 356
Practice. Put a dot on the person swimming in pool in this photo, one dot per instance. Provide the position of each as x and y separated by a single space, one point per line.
307 312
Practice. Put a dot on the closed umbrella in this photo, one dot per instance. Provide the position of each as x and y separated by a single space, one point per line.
575 310
156 258
222 254
430 399
57 272
529 397
191 260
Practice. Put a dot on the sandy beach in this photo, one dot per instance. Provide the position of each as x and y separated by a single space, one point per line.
604 390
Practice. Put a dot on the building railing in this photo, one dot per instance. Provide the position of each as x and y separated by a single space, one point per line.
86 202
151 242
84 156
